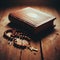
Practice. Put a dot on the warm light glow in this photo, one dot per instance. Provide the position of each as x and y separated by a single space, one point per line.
32 15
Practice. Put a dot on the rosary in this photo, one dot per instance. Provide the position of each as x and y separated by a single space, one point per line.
19 39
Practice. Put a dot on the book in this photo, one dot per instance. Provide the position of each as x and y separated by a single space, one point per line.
32 20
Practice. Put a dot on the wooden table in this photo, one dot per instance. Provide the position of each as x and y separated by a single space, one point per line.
48 47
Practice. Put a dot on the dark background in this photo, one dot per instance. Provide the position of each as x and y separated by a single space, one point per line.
51 3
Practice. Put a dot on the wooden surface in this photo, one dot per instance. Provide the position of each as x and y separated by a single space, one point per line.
48 46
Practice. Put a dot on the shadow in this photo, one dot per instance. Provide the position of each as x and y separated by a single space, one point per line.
47 3
29 33
19 47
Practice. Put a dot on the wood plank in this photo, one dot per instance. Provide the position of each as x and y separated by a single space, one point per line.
32 55
50 46
26 54
36 55
7 52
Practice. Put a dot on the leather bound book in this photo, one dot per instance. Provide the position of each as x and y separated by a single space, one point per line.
32 20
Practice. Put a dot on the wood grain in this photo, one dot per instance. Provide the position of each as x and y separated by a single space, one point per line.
50 43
